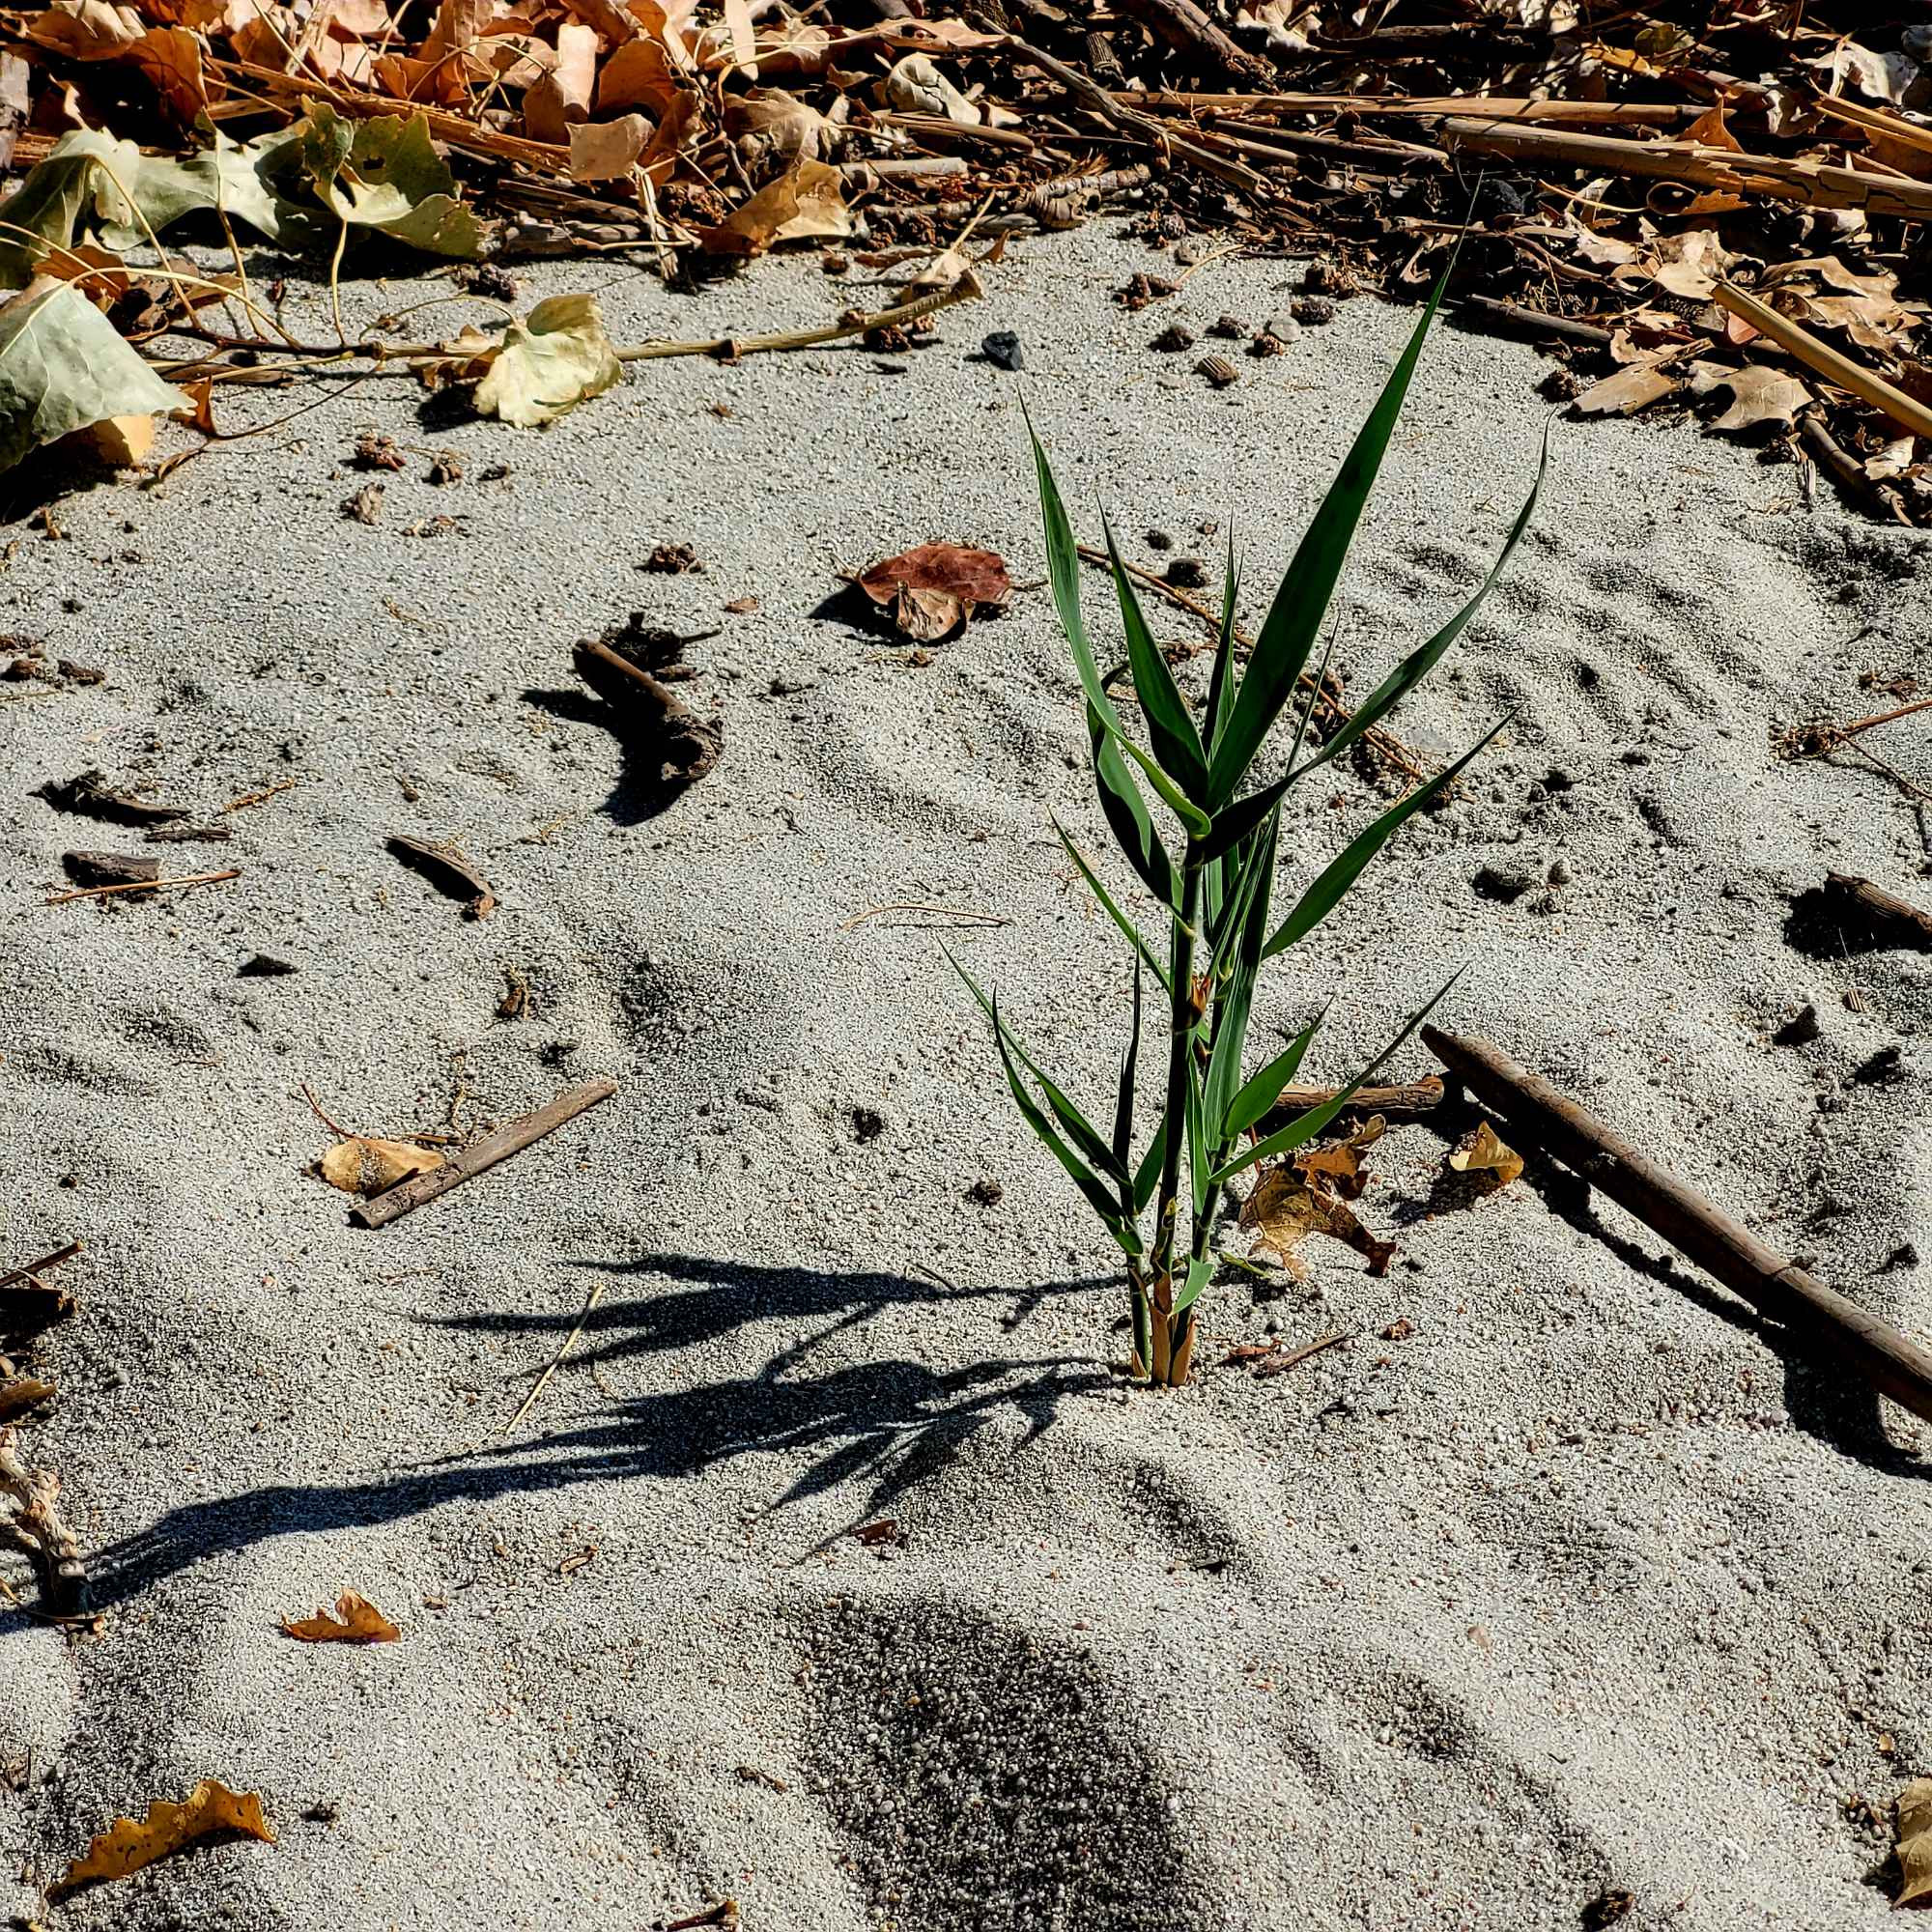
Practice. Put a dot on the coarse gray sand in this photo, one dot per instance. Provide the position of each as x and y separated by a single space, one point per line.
1586 1582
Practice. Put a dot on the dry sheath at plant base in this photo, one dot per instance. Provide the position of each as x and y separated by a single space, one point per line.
1216 888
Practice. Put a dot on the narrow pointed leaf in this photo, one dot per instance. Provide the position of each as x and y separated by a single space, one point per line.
1322 896
1109 906
1198 1274
1294 619
1175 741
1265 1088
1124 1104
1147 1175
1089 1184
1230 1022
1079 1129
1418 666
1306 1127
1198 1169
1216 717
1063 568
1128 815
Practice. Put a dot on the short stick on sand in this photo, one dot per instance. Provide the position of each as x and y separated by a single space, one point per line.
530 1402
513 1137
140 886
1541 1117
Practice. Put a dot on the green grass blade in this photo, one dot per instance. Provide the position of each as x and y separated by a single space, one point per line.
1128 815
1103 1203
1216 718
1306 1127
1109 905
1177 743
1294 618
1123 1105
1420 662
1314 695
1063 569
1200 1272
1265 1088
1079 1129
1147 1175
1230 1022
1198 1166
1322 896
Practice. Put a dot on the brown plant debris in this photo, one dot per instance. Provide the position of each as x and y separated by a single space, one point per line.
1483 1151
934 588
356 1620
1915 1843
449 873
90 796
362 1164
631 668
1310 1195
128 1846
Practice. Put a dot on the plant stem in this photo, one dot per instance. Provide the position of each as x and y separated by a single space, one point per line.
1181 1023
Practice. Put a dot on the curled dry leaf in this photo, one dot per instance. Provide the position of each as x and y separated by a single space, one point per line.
1287 1206
128 1846
356 1620
554 358
1484 1151
917 86
935 587
804 203
364 1164
607 150
1758 394
1915 1843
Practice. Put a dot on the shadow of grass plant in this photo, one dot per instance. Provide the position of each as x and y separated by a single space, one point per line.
1215 884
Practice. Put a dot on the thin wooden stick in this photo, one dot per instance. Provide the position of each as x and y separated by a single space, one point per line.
46 1262
1885 912
1820 355
1421 1098
1540 1116
513 1137
142 886
556 1361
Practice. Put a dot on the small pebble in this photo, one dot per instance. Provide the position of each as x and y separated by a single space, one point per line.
1176 336
1312 311
1002 349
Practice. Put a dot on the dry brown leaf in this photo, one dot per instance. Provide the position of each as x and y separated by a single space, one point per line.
933 588
1484 1151
1691 264
22 1393
804 203
562 96
1629 390
1758 394
364 1164
128 1847
1285 1207
917 86
1915 1843
1710 132
121 442
607 150
770 125
638 75
1341 1164
356 1620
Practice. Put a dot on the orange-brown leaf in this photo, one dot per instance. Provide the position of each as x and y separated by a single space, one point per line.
128 1846
933 588
356 1620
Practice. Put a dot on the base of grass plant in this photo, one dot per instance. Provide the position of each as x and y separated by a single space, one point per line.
1214 885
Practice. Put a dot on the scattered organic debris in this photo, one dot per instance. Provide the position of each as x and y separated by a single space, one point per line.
1481 1151
142 886
542 1382
111 868
451 876
356 1620
1263 1360
480 1156
934 588
37 1528
724 1914
20 1393
127 1846
92 797
1873 913
631 667
1915 1843
1309 1194
364 1165
1812 1314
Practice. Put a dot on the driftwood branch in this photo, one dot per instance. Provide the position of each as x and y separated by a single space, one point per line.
1422 1096
1882 914
513 1137
40 1530
1539 1116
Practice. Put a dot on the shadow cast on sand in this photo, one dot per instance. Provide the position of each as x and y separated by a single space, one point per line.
887 1425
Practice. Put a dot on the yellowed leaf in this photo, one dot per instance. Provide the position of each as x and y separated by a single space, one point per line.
1915 1843
552 359
802 204
917 86
638 75
1287 1206
128 1847
356 1620
1758 394
365 1165
1484 1151
121 441
607 150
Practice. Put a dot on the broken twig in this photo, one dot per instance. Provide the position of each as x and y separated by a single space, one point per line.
513 1137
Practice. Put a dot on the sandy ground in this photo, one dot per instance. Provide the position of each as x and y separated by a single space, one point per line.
1589 1584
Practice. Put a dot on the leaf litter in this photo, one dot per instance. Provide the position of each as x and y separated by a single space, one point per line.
356 1620
130 1845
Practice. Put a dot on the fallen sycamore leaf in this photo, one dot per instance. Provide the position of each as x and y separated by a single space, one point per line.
362 1164
804 203
607 150
1915 1843
128 1847
935 587
1484 1151
917 86
1310 1196
384 172
1758 394
554 358
356 1620
63 369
